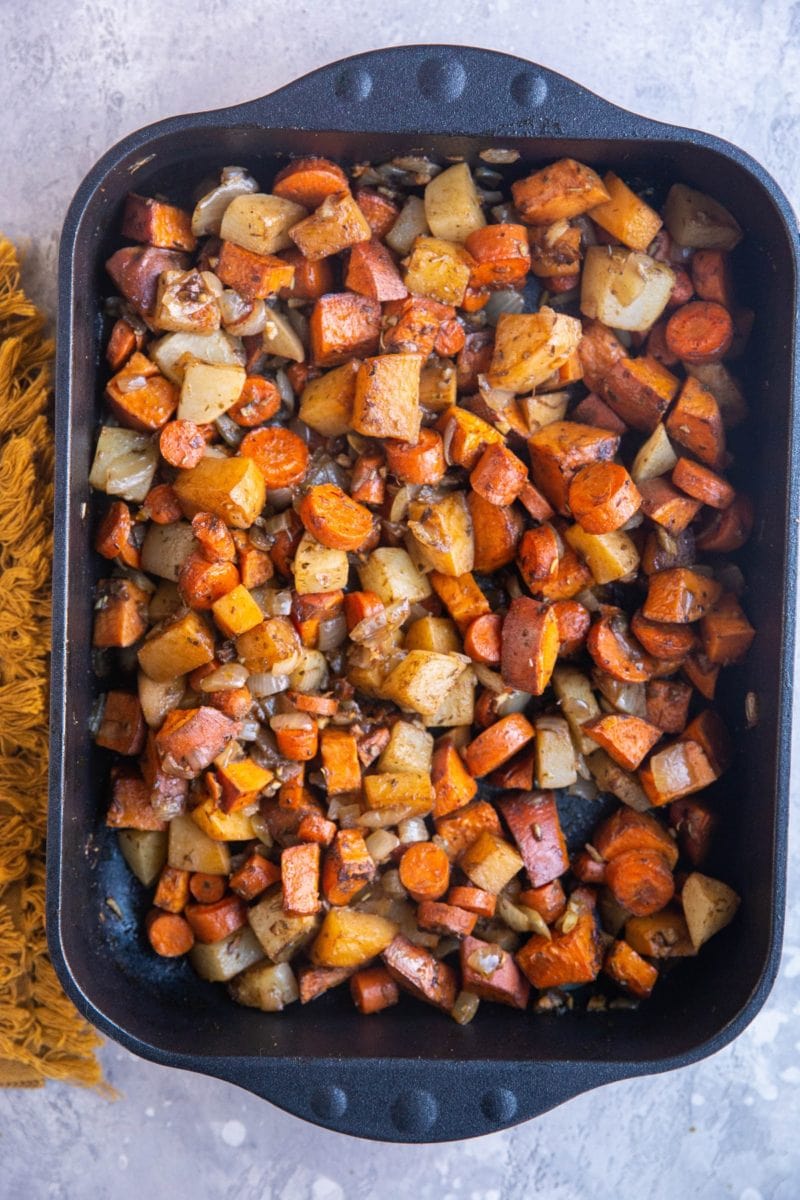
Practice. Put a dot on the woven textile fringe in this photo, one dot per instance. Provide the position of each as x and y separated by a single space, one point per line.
41 1034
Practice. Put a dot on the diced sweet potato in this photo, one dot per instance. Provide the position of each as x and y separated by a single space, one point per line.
557 192
300 879
158 224
676 771
371 271
453 786
625 216
131 804
337 224
135 271
139 395
663 935
418 972
496 533
344 326
254 276
694 822
548 900
680 595
460 829
191 738
121 613
555 252
497 744
629 970
490 972
498 475
696 423
626 738
386 400
445 919
315 981
535 826
573 954
709 731
662 639
500 254
559 451
347 868
529 645
603 497
380 211
726 632
122 728
254 876
122 342
668 507
668 704
640 390
727 531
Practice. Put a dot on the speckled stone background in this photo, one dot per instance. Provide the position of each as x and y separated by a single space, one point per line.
75 77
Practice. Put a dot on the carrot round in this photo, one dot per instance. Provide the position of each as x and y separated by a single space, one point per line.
641 881
318 706
169 934
161 505
587 869
603 497
450 338
206 889
308 181
482 641
682 288
473 899
380 211
728 530
663 639
538 554
373 989
280 455
201 582
700 332
334 519
420 463
358 606
701 483
615 652
260 400
216 540
114 535
296 735
497 744
181 444
212 922
574 622
446 919
629 830
234 703
498 475
425 871
501 253
711 276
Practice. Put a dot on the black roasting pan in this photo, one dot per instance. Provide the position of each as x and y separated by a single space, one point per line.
412 1074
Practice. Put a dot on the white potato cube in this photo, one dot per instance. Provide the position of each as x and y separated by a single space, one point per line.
260 222
208 391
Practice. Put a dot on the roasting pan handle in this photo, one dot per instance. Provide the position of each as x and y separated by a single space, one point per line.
445 90
404 1100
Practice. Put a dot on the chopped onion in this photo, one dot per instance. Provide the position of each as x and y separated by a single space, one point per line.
381 845
231 433
390 881
412 829
251 323
266 683
233 307
332 633
586 789
249 731
512 702
310 673
489 678
273 603
485 960
382 818
465 1007
226 678
505 301
209 211
348 816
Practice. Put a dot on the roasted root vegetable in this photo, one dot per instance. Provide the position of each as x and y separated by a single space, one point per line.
399 555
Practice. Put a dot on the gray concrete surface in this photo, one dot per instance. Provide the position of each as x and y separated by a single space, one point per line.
75 78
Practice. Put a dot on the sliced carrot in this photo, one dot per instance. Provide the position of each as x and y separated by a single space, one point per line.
114 537
120 617
534 502
599 351
711 276
315 981
702 484
371 271
696 423
518 772
498 475
260 400
497 744
300 877
234 703
615 651
254 876
474 900
417 971
169 934
536 828
280 455
461 596
680 595
559 450
307 181
161 505
629 970
667 506
445 919
465 436
361 606
727 531
548 900
344 326
425 871
574 622
628 830
453 786
483 639
700 332
641 881
603 497
122 342
201 582
312 279
419 463
709 731
587 869
213 922
656 345
214 537
626 738
206 889
682 289
702 674
662 639
497 532
501 253
373 989
315 828
348 867
333 518
380 211
296 736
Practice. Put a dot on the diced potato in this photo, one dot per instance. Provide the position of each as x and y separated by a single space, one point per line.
369 680
610 777
458 706
725 388
190 849
433 633
145 852
708 905
260 222
220 961
349 938
438 386
439 270
165 601
124 463
490 862
630 698
408 789
538 411
311 672
157 699
422 680
577 702
623 288
530 346
280 936
173 353
386 400
317 568
335 225
230 488
221 826
265 986
281 338
452 204
274 645
390 573
608 556
186 302
237 612
166 547
208 391
411 224
554 753
176 647
654 457
410 748
696 220
443 534
326 403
